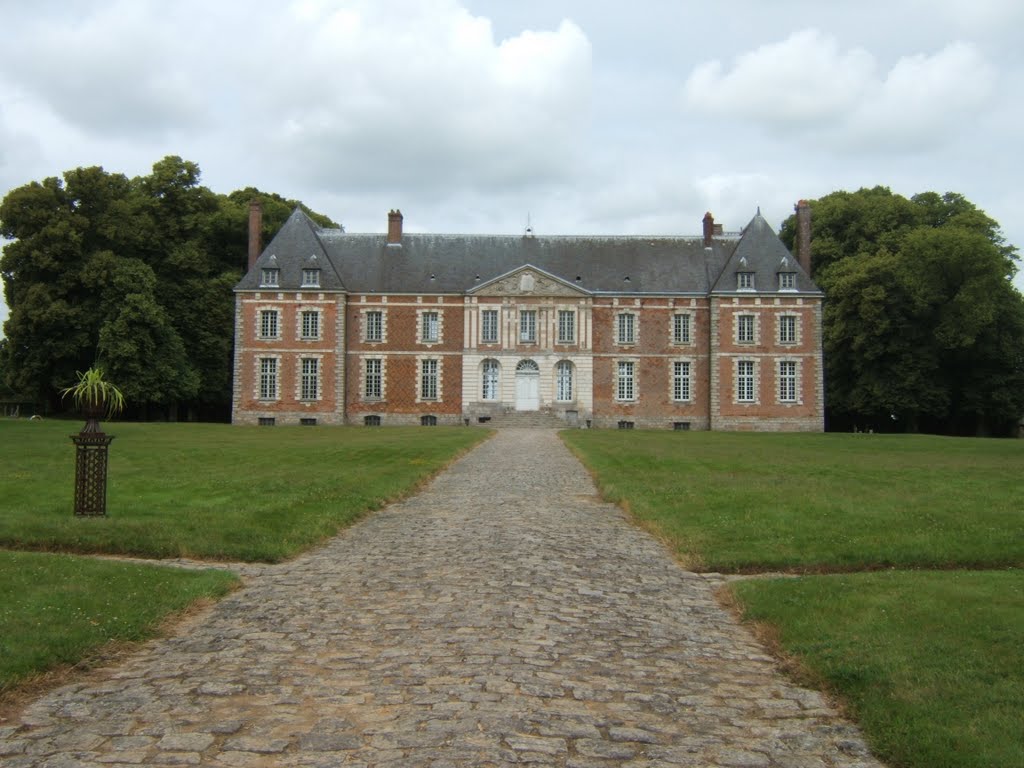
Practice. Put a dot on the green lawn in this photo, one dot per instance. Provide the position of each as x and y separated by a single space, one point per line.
60 609
930 663
212 490
810 502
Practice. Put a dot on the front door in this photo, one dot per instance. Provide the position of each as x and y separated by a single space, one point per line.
527 386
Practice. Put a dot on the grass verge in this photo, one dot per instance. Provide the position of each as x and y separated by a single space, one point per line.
211 490
63 610
817 502
931 664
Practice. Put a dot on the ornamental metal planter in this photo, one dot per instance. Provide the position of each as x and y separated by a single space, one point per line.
91 448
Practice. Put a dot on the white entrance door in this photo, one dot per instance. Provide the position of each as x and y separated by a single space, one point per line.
527 386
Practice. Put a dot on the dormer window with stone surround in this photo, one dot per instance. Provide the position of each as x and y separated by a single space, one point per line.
311 278
744 281
787 281
270 277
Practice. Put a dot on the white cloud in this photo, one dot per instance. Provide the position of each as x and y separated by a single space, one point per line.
808 84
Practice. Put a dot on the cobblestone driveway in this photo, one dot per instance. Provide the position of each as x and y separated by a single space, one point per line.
503 616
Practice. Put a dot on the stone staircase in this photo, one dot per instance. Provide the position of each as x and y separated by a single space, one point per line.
523 420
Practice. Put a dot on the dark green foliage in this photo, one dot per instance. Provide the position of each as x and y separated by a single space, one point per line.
923 328
133 274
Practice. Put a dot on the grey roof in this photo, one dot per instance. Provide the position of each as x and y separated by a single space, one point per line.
428 263
761 252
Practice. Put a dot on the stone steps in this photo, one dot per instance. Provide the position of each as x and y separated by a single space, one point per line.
524 420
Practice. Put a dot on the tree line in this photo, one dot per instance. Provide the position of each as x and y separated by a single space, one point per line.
132 274
922 327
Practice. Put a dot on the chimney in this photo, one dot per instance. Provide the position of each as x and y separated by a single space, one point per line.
394 227
255 231
803 235
709 228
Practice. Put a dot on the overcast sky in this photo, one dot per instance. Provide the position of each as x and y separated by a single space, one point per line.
480 115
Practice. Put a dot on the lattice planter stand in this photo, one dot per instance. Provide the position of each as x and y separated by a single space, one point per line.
91 446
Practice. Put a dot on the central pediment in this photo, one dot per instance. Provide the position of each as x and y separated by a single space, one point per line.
528 280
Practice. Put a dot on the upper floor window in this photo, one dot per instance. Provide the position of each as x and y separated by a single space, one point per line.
787 329
428 380
563 381
311 278
681 328
528 326
745 381
489 326
625 385
744 281
566 326
787 281
745 329
309 388
270 277
374 325
681 380
310 320
269 327
625 328
430 327
787 381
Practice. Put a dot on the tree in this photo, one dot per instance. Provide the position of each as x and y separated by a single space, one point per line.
922 325
134 274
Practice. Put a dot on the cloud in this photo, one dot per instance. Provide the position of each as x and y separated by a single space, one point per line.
808 84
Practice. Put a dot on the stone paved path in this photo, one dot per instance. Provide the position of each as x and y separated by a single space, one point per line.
503 616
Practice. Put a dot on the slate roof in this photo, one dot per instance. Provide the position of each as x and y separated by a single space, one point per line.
430 263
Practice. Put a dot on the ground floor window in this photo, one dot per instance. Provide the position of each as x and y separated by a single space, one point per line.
745 381
310 384
787 381
563 381
489 389
681 381
625 386
268 378
428 379
373 378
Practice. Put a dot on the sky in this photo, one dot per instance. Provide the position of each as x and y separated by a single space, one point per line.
480 116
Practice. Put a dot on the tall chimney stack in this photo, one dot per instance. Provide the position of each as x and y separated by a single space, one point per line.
709 229
803 235
255 231
395 227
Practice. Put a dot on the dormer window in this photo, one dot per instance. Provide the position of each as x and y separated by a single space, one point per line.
744 281
270 278
311 278
787 281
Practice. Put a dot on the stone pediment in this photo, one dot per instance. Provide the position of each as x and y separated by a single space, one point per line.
528 281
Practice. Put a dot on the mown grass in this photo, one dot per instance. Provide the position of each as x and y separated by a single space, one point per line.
60 609
930 663
212 490
797 502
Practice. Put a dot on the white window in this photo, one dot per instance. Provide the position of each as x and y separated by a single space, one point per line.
787 329
430 325
787 381
625 388
490 380
744 281
310 320
681 328
310 384
268 378
745 381
528 326
625 325
428 380
269 278
374 325
373 379
269 328
311 278
489 326
566 326
681 380
745 329
787 281
563 381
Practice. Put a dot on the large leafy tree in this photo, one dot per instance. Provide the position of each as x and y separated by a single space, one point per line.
135 274
922 325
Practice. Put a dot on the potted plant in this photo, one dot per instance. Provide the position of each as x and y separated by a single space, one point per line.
95 397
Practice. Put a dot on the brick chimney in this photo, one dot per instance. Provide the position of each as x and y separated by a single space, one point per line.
709 229
255 231
803 235
394 227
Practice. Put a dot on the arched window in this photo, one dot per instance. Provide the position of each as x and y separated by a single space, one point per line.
527 366
490 380
563 381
